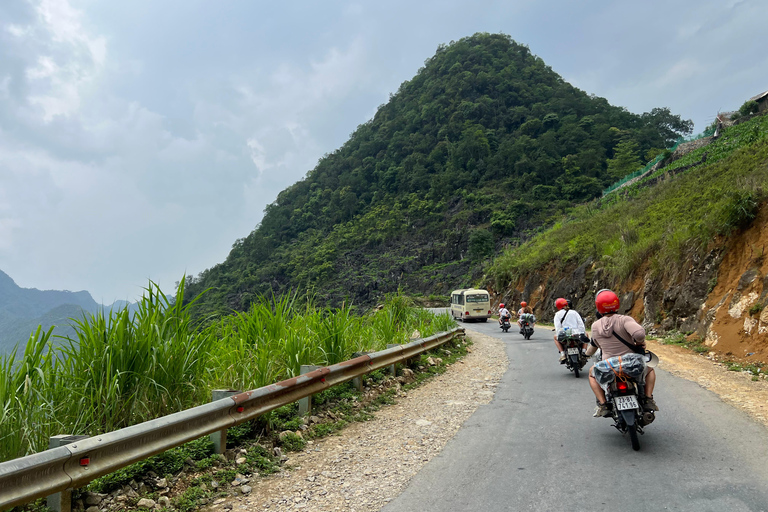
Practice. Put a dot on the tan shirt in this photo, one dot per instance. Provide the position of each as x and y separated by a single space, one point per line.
624 326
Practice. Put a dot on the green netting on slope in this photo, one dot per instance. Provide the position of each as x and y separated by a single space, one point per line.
682 140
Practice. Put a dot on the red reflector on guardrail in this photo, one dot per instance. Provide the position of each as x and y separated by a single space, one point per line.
240 408
85 461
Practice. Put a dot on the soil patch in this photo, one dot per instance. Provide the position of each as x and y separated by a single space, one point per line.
735 388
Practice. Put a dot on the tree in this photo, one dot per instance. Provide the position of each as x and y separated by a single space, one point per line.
666 124
625 159
480 244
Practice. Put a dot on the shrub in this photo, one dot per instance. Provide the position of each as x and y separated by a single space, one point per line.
292 442
749 107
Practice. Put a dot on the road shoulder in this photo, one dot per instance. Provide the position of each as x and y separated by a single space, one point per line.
369 464
734 388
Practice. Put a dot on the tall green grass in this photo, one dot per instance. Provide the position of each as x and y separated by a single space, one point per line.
120 368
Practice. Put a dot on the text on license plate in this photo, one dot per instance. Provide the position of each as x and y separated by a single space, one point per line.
573 351
624 403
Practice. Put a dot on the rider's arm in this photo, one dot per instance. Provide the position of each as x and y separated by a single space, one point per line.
635 330
558 321
592 348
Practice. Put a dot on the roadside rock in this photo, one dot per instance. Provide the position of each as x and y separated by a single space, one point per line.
146 503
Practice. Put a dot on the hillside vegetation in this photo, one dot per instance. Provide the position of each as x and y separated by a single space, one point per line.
656 227
482 147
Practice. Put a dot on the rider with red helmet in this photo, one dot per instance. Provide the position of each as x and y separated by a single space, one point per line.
607 335
503 313
524 308
570 318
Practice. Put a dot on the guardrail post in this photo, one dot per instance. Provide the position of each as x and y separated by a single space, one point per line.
393 368
305 404
358 383
219 439
61 501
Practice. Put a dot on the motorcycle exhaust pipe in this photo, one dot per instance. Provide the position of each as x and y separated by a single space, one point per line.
648 417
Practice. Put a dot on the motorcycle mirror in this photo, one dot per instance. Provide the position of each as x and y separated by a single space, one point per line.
651 359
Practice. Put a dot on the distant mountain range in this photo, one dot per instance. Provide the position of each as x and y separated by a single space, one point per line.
22 310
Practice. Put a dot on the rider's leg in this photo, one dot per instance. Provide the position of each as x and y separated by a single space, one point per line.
650 382
596 389
559 346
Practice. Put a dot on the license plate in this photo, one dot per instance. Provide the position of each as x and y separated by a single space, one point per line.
572 351
624 403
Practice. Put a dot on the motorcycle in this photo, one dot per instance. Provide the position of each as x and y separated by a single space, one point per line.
526 325
505 325
626 394
575 359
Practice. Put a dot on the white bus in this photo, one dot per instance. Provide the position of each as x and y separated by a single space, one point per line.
471 304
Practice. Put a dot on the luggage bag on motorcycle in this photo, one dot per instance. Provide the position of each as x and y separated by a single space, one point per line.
630 366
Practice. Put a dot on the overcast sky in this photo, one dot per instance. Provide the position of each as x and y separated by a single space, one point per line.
139 140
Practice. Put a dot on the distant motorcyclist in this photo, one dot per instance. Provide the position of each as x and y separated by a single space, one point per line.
503 313
524 310
614 335
567 317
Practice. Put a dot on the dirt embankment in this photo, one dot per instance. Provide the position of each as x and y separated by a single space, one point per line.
720 297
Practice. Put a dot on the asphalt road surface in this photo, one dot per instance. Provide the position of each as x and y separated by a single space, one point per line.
537 447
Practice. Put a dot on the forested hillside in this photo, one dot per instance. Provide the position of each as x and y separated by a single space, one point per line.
481 148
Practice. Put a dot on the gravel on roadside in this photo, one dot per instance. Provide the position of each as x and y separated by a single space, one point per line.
368 464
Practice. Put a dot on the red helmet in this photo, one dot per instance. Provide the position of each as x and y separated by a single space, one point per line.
560 303
606 302
501 305
523 304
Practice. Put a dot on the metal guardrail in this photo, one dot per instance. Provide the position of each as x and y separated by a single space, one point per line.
74 465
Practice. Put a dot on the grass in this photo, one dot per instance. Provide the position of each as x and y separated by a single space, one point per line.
693 343
660 225
121 369
341 401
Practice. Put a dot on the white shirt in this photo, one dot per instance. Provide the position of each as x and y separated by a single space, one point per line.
504 312
572 320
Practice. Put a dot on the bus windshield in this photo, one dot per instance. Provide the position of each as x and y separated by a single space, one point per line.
477 298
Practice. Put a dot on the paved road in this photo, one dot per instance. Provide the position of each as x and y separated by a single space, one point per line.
537 447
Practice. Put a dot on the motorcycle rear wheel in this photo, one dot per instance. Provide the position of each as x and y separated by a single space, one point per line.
632 429
576 371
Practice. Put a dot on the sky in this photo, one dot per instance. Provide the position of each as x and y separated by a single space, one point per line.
139 140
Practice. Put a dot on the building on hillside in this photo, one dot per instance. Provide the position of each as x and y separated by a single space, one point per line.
762 101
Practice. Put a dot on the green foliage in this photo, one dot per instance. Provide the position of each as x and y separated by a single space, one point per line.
625 159
168 462
660 224
485 136
749 107
694 343
741 208
480 244
756 308
292 442
123 369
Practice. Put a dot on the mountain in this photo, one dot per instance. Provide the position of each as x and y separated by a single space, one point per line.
481 149
22 310
31 302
